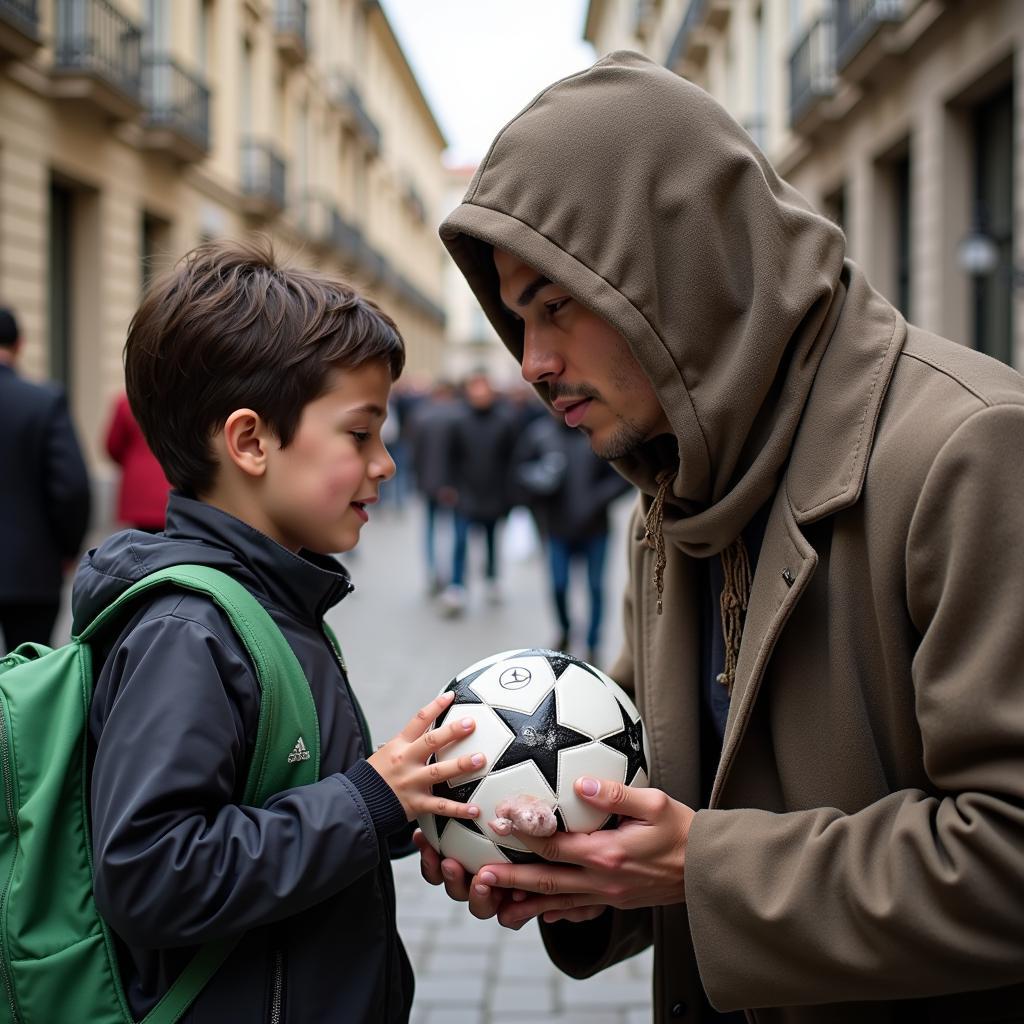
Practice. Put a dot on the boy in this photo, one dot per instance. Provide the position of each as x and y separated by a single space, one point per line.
262 391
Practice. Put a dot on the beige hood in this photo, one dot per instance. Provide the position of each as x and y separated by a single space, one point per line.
635 191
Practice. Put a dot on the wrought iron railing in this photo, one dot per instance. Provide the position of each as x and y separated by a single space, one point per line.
176 99
93 36
263 172
812 68
367 126
23 14
345 237
857 21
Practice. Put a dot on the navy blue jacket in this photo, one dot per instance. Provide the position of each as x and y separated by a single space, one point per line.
45 507
178 859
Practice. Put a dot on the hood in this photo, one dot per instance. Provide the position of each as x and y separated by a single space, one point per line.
304 585
636 192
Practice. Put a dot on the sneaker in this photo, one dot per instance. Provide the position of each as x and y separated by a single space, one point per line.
494 594
453 601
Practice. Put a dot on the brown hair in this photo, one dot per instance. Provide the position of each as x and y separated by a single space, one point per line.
230 328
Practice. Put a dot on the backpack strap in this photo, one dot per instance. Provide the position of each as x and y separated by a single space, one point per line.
288 729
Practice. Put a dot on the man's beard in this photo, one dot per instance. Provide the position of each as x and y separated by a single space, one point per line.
627 437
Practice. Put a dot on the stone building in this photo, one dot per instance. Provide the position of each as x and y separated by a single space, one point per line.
132 129
901 119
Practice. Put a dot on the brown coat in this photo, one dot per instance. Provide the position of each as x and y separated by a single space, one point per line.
866 833
863 855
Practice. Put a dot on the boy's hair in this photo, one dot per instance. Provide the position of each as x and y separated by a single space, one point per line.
230 328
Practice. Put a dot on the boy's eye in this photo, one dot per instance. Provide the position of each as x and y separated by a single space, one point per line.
555 306
361 436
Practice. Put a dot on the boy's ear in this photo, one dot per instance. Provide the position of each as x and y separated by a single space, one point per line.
247 439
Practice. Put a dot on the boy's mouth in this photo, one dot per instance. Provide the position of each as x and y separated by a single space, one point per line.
360 508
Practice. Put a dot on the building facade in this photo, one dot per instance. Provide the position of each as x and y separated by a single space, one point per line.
132 129
900 119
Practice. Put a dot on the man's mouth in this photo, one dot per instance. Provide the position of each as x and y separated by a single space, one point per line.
575 412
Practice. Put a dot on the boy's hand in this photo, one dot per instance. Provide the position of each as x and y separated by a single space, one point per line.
401 762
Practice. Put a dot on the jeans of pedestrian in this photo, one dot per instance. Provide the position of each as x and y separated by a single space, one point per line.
490 531
436 515
594 551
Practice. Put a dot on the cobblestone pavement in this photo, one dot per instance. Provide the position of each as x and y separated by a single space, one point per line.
400 652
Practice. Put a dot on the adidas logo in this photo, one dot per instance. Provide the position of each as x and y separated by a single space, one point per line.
299 752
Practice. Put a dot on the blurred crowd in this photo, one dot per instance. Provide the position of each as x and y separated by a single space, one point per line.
483 461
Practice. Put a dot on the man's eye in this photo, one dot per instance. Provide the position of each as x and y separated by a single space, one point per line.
554 307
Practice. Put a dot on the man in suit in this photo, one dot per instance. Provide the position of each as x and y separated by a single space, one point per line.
45 510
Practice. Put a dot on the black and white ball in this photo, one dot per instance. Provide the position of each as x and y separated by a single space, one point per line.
543 719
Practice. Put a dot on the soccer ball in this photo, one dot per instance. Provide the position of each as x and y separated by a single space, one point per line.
543 719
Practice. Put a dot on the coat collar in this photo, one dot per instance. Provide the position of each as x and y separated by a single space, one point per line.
834 440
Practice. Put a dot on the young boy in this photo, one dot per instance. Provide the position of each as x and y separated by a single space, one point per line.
262 391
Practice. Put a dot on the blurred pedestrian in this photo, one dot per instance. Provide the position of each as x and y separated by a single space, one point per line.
45 511
569 490
429 456
481 439
142 490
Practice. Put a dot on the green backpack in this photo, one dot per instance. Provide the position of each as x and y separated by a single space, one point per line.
57 958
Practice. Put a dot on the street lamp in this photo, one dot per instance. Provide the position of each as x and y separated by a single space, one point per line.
978 254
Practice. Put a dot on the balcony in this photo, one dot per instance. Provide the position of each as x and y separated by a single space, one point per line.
315 215
862 28
812 76
346 239
97 57
291 30
19 29
177 109
262 179
365 125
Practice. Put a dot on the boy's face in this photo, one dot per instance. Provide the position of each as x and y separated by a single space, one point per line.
316 490
592 377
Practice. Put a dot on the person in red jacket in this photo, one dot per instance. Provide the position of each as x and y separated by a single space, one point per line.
142 494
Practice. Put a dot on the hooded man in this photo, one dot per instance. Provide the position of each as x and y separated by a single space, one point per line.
824 622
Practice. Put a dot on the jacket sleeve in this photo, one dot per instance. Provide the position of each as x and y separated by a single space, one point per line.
177 859
67 482
582 950
917 894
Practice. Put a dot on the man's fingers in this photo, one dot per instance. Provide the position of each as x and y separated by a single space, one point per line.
456 880
430 859
545 879
644 803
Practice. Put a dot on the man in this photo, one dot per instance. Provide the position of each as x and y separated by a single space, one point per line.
823 623
481 435
45 509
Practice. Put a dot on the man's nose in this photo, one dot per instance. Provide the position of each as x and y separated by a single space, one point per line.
540 361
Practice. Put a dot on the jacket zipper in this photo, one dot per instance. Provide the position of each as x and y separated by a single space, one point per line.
12 819
277 988
389 902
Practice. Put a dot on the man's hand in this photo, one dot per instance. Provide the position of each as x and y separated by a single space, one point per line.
639 864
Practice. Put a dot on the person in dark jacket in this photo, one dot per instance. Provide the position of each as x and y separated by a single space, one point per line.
45 511
261 390
428 430
569 490
480 443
